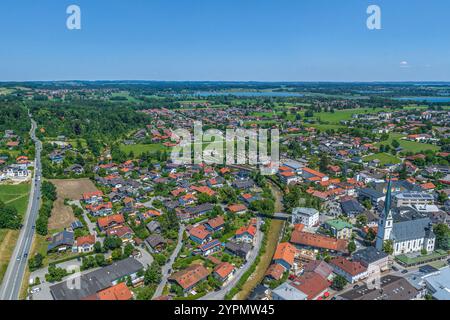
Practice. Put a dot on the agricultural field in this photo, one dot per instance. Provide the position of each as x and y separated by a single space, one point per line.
62 216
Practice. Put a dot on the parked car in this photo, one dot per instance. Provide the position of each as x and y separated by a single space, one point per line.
394 268
405 271
35 290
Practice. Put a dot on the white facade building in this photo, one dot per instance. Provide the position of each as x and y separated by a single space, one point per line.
306 216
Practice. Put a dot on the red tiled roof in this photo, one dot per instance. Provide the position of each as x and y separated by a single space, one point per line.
314 172
118 292
311 284
224 269
275 271
251 229
106 221
119 231
88 195
428 186
285 251
351 267
216 222
237 208
318 241
90 239
204 189
199 232
190 276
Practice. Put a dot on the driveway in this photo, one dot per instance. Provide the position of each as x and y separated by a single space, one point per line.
168 266
91 226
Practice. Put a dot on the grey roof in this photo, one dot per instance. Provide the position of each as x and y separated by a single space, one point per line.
200 208
155 240
440 284
351 206
392 288
95 281
320 267
369 255
64 238
372 193
243 247
288 292
412 229
243 184
154 225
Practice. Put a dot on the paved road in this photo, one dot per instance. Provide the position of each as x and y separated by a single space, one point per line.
168 266
220 295
12 281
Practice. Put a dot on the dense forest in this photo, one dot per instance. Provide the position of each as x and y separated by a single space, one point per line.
14 116
91 120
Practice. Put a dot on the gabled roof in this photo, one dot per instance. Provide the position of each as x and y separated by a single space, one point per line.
224 269
236 208
104 222
275 271
318 241
90 239
251 230
190 276
311 284
199 232
216 222
285 251
353 268
118 292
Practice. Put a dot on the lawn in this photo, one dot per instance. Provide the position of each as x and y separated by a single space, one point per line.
16 196
407 146
384 158
138 149
341 115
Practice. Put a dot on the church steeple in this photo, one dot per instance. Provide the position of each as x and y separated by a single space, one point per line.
385 223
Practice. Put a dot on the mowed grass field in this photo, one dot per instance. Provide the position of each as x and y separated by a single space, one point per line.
384 158
16 196
409 146
138 149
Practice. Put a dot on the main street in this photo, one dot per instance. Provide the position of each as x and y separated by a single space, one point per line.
12 282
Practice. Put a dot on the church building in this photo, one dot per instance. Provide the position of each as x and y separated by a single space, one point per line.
409 230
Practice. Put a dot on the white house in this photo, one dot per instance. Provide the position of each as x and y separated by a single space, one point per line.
306 216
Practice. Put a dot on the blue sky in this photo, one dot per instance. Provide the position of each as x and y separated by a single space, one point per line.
262 40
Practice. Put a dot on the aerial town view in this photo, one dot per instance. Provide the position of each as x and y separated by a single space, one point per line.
225 182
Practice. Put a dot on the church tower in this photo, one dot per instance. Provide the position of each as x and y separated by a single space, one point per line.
385 224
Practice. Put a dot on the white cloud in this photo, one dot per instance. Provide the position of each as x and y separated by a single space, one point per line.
404 64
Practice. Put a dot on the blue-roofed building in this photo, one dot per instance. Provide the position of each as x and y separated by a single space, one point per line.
76 225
